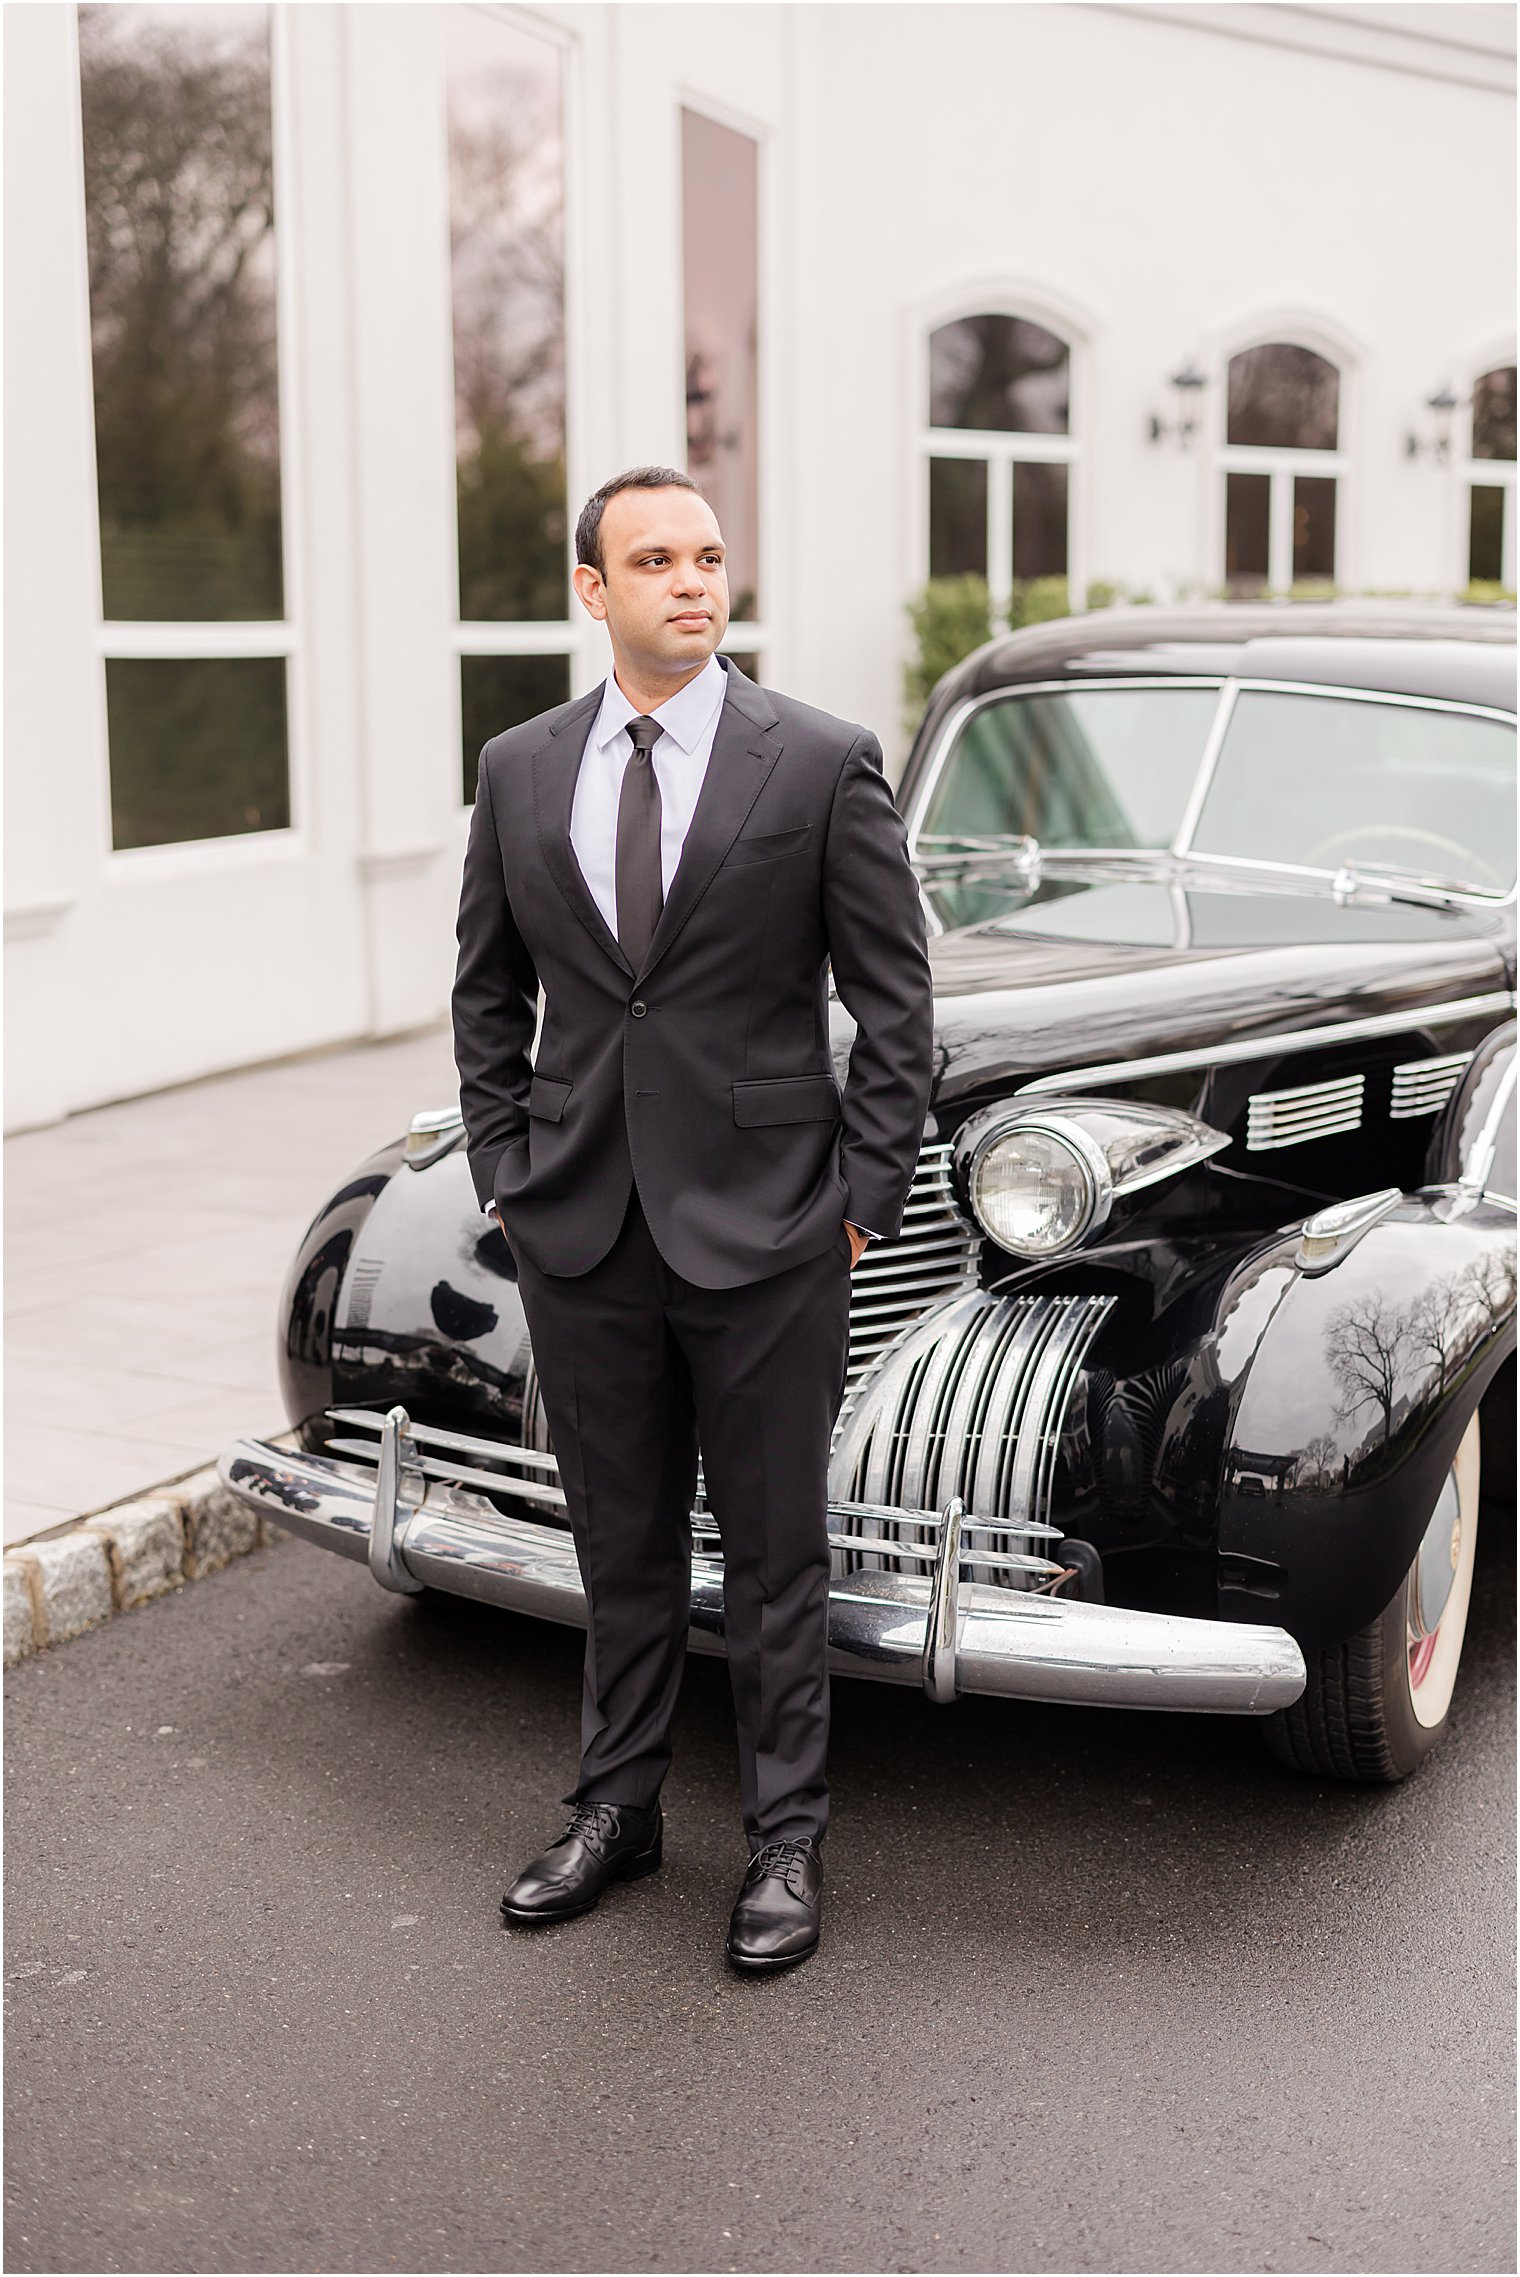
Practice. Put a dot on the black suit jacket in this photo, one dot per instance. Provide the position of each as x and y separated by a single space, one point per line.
707 1074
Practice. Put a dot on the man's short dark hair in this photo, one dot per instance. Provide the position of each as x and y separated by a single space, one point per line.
588 528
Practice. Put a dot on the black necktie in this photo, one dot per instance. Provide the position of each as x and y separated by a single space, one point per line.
636 863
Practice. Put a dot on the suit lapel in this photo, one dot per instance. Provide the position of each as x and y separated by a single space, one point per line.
746 746
556 764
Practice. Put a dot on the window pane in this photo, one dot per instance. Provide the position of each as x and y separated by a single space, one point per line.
1099 767
1039 520
198 747
1000 372
1283 397
1494 415
720 223
1247 512
957 517
179 219
1313 529
1485 546
506 230
1321 780
498 692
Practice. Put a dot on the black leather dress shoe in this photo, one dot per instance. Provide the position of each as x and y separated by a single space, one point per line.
776 1914
604 1842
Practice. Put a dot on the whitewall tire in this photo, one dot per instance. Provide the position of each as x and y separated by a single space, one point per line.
1375 1705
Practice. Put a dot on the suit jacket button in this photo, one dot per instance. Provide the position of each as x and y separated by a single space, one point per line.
638 1008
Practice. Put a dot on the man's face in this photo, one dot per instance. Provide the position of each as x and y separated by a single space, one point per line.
664 595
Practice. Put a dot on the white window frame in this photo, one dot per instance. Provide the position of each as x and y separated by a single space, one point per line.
1001 449
1482 474
1281 466
178 642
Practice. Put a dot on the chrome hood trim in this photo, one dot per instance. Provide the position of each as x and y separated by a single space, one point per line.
1233 1050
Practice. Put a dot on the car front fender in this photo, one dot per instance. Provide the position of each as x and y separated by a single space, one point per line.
1352 1382
402 1290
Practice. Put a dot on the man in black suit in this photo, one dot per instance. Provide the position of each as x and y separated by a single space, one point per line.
675 859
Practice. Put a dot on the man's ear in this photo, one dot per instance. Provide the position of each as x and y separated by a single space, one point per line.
588 585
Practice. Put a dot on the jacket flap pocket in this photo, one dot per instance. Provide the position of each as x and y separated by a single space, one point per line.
768 848
786 1099
547 1098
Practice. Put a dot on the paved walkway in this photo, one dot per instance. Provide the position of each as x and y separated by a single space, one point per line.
145 1247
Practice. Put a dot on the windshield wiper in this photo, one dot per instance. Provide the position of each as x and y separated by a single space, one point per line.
1408 885
1013 846
1005 851
1349 883
943 854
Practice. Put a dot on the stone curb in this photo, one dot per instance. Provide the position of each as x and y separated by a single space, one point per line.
63 1583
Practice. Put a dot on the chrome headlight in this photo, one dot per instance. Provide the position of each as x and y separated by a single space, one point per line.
1039 1178
1037 1187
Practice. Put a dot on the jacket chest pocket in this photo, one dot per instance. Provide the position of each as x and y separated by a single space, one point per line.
770 846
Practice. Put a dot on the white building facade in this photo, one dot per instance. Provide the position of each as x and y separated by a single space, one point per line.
323 319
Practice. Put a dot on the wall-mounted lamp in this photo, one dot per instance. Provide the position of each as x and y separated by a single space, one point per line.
1437 446
1189 384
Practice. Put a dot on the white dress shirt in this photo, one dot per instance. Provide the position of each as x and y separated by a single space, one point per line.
689 720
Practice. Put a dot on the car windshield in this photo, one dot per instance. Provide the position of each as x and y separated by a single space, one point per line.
1323 781
1309 780
1079 767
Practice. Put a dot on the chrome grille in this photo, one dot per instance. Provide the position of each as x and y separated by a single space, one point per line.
970 1403
1423 1086
458 1460
1308 1111
938 1253
455 1456
938 1539
535 1423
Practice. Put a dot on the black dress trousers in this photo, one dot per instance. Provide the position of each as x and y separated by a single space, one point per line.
637 1367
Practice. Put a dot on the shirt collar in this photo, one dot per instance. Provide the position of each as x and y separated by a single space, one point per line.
686 716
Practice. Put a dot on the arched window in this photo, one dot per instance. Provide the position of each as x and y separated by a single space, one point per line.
1281 463
998 448
1490 475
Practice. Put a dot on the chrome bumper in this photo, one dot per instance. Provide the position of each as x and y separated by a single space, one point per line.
936 1630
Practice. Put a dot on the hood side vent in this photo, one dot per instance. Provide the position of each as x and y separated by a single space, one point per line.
1423 1086
1308 1111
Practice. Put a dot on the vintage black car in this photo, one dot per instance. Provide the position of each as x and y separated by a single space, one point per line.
1177 1388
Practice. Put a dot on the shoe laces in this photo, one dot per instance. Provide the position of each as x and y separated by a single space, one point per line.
597 1824
779 1859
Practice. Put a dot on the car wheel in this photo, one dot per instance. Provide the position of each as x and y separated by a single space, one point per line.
1375 1705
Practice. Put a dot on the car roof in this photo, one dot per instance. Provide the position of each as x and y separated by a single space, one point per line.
1454 652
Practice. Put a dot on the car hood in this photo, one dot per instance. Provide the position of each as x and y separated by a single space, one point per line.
1086 967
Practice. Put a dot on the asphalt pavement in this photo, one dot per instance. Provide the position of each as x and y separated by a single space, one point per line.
1096 1992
